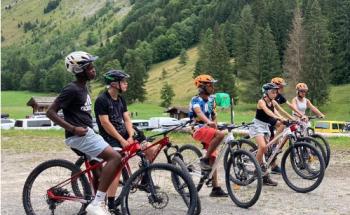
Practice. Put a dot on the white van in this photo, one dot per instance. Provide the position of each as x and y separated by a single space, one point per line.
7 123
141 124
35 123
159 122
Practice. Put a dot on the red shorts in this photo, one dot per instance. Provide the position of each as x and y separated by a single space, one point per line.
205 135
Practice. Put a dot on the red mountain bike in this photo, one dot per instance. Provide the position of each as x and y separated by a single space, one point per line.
58 186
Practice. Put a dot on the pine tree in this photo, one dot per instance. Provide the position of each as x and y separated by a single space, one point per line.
167 95
280 20
340 45
215 60
183 57
244 41
294 52
316 66
264 64
135 67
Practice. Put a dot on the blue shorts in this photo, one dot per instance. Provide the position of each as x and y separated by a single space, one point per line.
91 144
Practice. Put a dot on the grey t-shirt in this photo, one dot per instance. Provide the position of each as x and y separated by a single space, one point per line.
75 102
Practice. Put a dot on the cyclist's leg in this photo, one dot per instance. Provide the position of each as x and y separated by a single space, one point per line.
217 190
112 191
260 140
215 142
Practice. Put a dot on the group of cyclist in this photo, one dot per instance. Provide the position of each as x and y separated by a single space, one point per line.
116 129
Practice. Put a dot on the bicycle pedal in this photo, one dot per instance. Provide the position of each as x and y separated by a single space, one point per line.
209 183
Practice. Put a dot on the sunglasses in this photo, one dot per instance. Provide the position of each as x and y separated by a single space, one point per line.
302 91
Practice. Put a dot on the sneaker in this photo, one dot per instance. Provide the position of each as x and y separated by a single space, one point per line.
276 170
217 192
268 181
99 209
204 163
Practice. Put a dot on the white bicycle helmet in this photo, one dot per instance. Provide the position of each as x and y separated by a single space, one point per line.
76 61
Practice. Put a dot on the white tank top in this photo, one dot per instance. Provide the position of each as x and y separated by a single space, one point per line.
301 105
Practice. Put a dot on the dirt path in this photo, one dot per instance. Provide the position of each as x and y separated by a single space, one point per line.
332 197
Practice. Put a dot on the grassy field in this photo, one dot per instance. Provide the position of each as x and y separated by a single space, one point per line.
178 76
67 14
53 140
15 103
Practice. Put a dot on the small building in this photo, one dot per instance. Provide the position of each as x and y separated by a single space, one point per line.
40 104
178 112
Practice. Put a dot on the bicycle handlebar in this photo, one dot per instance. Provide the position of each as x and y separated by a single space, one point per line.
232 126
170 130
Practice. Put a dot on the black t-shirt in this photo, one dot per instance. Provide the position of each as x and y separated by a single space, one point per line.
280 99
75 102
115 109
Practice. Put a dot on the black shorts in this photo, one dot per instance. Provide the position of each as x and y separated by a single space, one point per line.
113 142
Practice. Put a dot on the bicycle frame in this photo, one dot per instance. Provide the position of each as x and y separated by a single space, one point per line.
130 151
287 132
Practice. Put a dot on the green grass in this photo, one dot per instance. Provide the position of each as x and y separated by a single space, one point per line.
53 141
338 106
23 141
178 76
65 16
15 103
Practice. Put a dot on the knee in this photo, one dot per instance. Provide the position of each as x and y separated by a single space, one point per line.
220 135
114 157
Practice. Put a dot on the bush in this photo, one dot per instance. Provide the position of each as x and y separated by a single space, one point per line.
52 5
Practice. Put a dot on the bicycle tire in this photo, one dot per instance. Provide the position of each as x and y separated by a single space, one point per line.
178 162
193 169
320 175
238 143
256 174
27 189
317 144
165 167
125 176
326 145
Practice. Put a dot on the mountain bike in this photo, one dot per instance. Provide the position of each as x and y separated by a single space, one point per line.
58 186
243 176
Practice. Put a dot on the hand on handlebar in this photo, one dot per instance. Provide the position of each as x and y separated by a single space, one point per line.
212 124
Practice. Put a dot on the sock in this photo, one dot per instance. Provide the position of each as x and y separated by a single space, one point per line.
111 204
100 197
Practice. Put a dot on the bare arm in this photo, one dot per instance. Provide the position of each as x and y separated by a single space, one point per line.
293 106
314 109
204 118
263 106
128 125
52 114
280 109
109 128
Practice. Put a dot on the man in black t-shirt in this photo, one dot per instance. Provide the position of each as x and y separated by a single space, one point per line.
114 122
75 102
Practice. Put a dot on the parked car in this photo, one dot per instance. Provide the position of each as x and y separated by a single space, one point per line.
7 123
329 126
141 124
347 127
35 123
159 122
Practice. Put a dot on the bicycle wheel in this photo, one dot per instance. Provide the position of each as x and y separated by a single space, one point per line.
179 163
243 178
191 155
317 145
161 196
326 146
124 177
304 171
50 175
243 144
